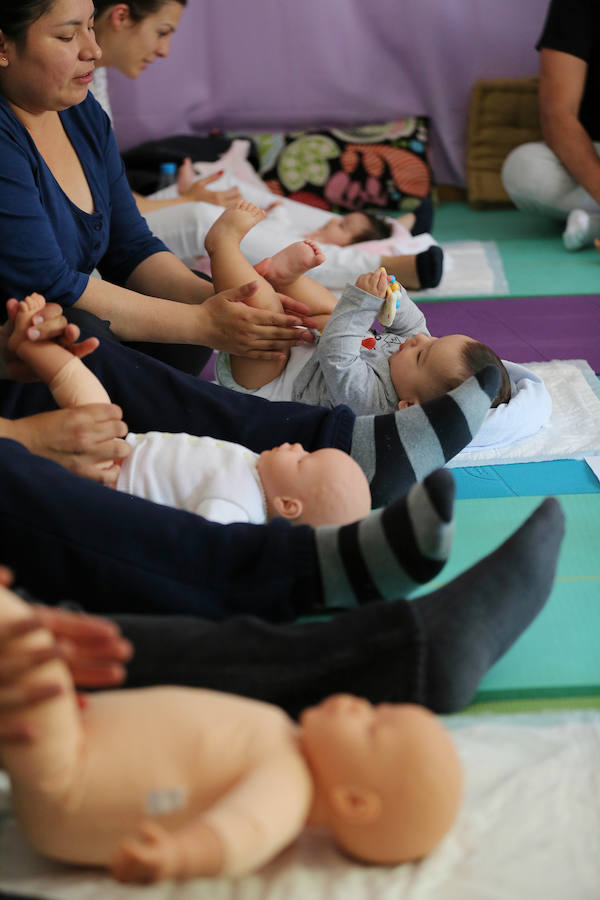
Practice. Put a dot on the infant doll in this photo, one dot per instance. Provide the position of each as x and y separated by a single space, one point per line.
180 783
218 480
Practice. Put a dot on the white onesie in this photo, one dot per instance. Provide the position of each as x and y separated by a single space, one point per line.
217 480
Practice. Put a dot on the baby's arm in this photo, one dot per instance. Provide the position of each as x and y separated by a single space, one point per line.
408 319
71 382
47 762
349 378
242 831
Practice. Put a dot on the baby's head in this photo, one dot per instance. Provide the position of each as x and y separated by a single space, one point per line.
353 228
426 367
387 778
326 487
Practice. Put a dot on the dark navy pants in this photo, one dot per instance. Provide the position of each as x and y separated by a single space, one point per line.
71 539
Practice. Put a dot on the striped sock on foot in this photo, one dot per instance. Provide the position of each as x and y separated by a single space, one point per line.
393 550
397 449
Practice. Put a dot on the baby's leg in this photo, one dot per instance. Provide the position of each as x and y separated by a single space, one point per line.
185 175
231 269
50 759
415 272
26 313
286 271
71 382
228 265
46 358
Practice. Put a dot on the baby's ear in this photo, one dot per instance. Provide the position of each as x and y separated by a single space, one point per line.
404 404
355 804
288 507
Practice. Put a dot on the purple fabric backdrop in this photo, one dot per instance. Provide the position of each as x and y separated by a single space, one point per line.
284 63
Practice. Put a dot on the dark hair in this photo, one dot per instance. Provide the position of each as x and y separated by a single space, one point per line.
138 9
17 16
475 356
376 230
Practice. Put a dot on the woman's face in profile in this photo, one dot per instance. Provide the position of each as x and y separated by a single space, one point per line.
148 39
54 67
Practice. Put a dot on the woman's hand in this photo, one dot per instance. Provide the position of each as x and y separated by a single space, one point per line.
48 324
82 440
198 191
92 648
14 663
229 324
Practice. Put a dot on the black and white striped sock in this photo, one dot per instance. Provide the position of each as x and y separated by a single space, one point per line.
397 449
392 551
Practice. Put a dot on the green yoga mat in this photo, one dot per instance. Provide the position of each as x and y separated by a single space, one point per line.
534 259
559 654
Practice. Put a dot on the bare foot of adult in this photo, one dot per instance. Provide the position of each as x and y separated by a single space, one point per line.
233 224
289 264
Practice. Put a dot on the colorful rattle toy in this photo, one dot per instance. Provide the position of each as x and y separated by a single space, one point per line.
388 308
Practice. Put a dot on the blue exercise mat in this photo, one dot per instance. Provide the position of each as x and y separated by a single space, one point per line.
560 476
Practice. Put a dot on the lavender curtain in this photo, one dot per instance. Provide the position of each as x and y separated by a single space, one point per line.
276 64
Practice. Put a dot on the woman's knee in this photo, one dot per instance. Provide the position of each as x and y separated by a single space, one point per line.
535 179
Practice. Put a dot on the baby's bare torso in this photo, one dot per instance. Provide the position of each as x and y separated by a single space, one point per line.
164 752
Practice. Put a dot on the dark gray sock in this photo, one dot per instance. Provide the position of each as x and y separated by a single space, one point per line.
471 622
430 266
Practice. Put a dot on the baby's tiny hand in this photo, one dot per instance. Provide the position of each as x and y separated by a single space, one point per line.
373 282
145 858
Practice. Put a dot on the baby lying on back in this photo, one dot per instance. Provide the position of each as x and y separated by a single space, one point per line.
219 480
400 367
179 782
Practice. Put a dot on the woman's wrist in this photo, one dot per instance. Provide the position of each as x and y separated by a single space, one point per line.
9 428
201 325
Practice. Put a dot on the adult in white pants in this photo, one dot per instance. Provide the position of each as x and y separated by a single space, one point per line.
560 177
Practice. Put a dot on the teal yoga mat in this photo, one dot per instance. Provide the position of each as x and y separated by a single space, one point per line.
559 654
534 260
561 476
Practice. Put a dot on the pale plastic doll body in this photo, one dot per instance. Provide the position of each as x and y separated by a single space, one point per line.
219 480
180 782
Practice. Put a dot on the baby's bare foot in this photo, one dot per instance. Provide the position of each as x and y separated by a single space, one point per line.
185 176
233 224
28 309
286 266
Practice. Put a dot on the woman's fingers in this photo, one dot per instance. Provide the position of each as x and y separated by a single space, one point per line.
15 664
17 699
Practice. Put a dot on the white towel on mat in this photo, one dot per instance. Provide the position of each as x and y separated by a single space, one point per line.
529 827
573 431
